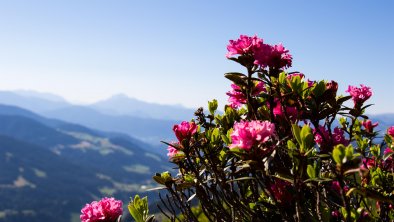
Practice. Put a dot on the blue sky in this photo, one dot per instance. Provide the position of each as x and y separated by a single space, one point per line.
172 52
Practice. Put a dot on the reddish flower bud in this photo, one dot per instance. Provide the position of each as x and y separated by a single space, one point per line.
185 130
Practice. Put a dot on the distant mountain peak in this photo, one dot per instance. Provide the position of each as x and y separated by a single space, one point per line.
122 104
41 95
120 96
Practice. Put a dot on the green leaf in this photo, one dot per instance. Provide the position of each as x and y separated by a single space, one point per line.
388 139
311 171
307 138
159 180
139 210
237 151
212 106
343 99
282 77
387 155
225 139
316 179
291 145
241 178
296 132
238 78
305 131
319 88
349 152
215 136
338 153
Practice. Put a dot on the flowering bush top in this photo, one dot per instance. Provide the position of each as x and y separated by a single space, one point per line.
359 94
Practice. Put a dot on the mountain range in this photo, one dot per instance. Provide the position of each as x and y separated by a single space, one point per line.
148 122
50 168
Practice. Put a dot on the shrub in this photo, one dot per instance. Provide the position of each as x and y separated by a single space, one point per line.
286 148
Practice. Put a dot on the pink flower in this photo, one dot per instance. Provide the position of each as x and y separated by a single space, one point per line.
369 126
359 95
92 212
280 57
389 162
237 98
291 111
337 136
258 88
335 213
246 134
290 76
185 130
368 163
275 56
105 210
321 136
262 55
243 45
387 150
311 83
390 131
172 151
336 186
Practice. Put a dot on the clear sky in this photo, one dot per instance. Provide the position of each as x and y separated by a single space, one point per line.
172 52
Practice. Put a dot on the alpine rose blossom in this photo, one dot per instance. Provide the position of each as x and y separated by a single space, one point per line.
323 135
105 210
291 111
243 45
237 98
280 57
359 94
274 56
185 130
367 124
390 131
246 134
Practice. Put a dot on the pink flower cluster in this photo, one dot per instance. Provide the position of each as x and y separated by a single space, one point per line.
249 133
185 130
367 124
388 164
390 131
237 98
291 111
243 45
359 94
324 136
274 56
105 210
